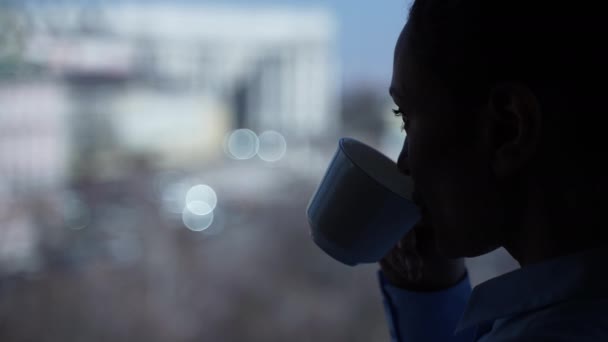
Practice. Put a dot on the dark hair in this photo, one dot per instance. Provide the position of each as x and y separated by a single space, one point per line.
556 48
539 42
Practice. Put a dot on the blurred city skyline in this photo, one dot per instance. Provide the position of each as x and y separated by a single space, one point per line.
366 31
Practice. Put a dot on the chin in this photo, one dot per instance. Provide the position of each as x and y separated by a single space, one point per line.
458 237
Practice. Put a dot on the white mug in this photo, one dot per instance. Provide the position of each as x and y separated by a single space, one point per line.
362 207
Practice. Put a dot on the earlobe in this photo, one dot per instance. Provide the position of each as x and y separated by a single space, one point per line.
516 122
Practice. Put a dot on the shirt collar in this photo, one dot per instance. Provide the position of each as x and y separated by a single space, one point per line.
537 285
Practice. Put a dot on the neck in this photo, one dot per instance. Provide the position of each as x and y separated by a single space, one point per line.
549 229
536 246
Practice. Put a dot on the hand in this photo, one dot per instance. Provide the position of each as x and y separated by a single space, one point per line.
414 263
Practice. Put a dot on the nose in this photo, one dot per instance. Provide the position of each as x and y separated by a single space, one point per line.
403 161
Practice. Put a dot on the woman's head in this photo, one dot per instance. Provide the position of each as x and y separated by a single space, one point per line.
493 92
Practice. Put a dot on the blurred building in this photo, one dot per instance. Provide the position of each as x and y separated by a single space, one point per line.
170 81
33 144
33 137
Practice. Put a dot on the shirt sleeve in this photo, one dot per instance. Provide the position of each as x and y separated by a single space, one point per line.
425 316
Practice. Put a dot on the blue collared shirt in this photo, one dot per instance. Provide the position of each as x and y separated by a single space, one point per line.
562 299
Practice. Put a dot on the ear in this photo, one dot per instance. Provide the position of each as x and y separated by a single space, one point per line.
515 127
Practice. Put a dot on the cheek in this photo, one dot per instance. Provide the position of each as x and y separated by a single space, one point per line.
456 185
465 201
451 178
428 154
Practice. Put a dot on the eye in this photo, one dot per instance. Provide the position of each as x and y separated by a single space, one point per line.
399 113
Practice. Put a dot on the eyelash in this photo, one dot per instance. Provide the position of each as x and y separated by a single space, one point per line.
400 113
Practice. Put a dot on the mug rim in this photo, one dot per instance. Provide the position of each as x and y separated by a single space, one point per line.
382 156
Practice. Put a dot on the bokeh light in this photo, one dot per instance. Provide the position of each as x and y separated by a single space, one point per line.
218 225
196 222
272 146
243 144
201 199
